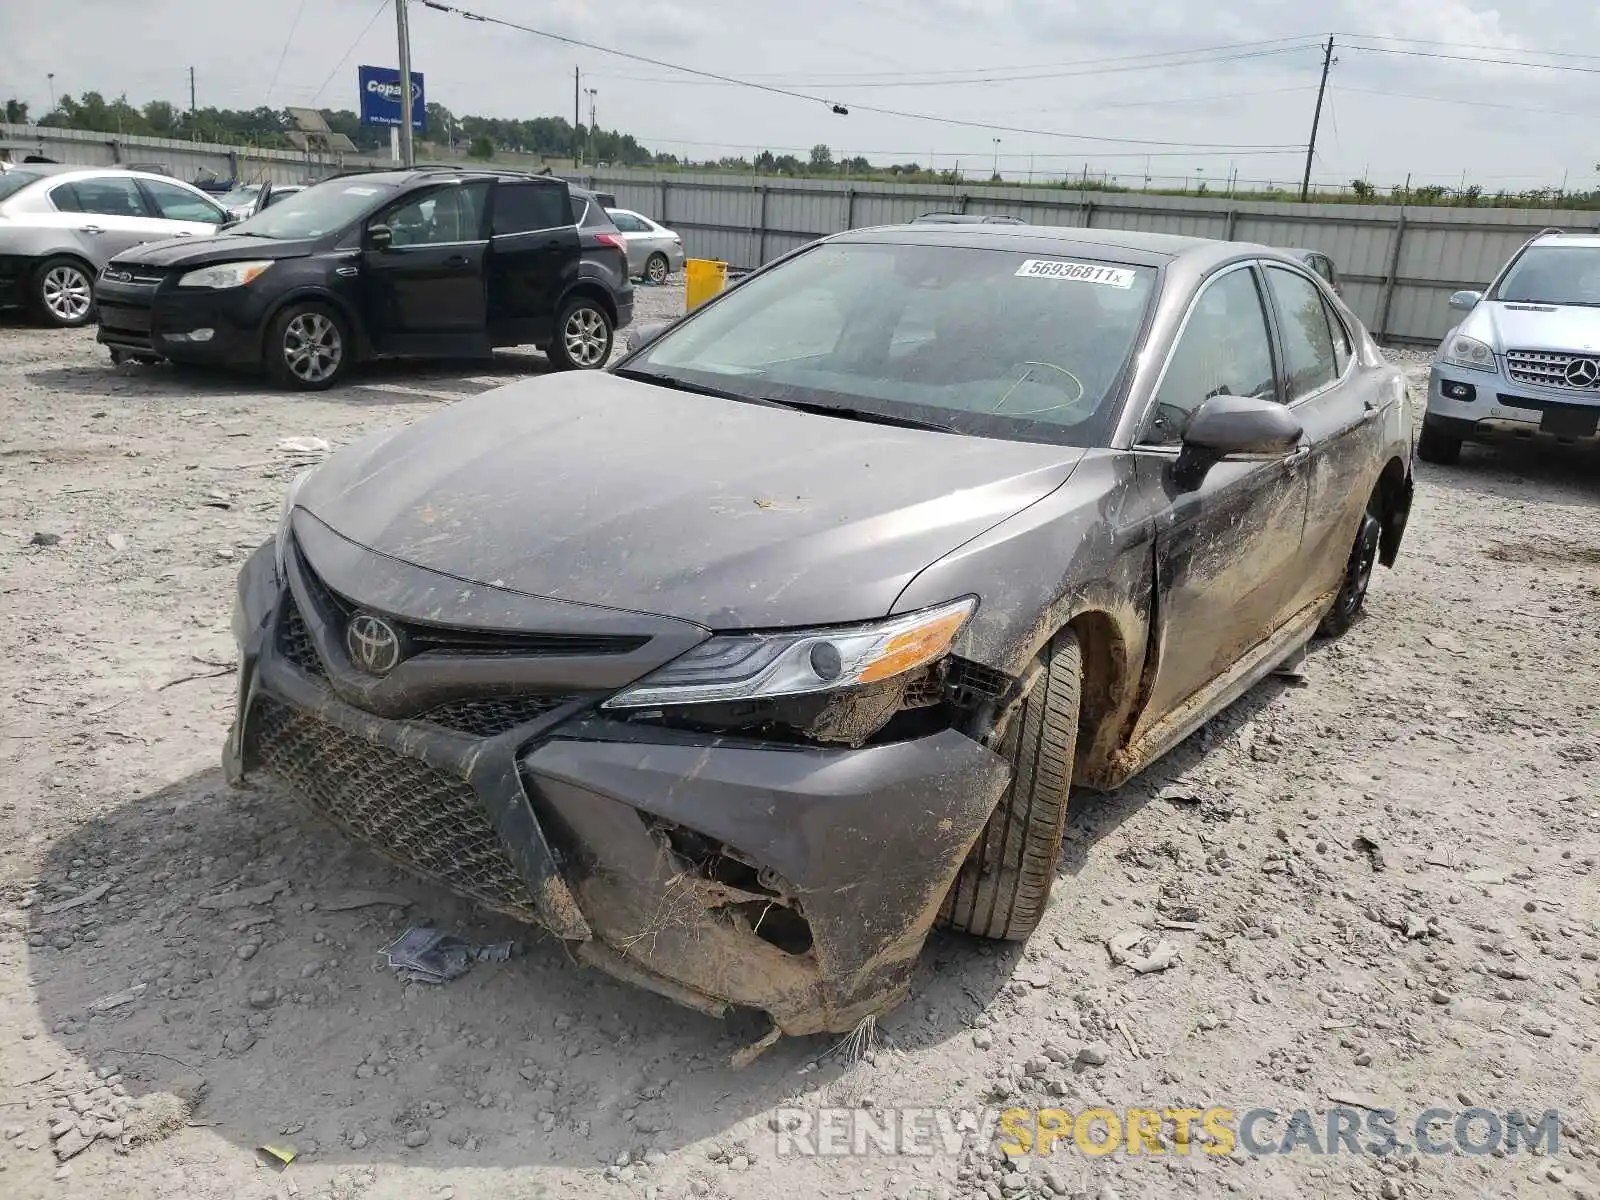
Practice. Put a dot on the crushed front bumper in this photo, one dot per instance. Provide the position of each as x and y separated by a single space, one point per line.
716 871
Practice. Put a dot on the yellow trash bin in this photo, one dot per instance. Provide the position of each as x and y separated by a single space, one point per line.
703 279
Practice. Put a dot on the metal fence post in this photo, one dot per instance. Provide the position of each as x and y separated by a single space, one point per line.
1088 214
663 217
961 204
1393 275
1233 221
849 208
761 230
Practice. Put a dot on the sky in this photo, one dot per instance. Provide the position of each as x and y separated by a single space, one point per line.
1165 88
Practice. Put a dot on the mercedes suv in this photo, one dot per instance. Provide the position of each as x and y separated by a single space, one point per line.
1525 360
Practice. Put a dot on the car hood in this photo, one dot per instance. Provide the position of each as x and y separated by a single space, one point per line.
222 247
1508 326
607 491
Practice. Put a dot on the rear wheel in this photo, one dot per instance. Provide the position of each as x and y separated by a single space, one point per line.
62 293
583 337
656 269
1001 889
1357 579
307 348
1438 447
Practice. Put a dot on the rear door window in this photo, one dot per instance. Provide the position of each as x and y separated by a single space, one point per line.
179 204
102 197
1307 341
525 207
628 223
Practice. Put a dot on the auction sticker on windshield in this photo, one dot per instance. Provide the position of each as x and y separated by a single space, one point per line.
1053 268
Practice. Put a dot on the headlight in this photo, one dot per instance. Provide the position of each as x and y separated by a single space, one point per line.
800 662
225 275
1462 351
282 543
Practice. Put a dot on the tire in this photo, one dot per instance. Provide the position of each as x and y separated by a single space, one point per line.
1001 889
656 269
583 337
1357 579
307 348
1439 448
61 293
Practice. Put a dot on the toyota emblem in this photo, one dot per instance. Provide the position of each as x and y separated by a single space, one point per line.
373 643
1583 373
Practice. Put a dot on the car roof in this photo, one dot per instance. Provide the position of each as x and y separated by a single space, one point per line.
1557 238
67 172
1130 246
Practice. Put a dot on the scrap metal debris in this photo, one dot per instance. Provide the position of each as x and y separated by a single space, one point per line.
433 956
1141 951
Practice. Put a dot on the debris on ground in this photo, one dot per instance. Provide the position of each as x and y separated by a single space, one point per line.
245 897
423 955
353 900
1141 951
88 897
303 445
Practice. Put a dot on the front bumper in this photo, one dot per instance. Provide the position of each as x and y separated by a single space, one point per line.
716 871
157 319
1489 406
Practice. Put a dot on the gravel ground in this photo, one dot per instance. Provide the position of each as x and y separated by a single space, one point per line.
1379 882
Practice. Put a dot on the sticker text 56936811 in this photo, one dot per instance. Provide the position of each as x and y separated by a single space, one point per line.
1055 268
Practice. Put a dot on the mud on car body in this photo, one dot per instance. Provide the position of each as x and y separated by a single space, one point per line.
742 664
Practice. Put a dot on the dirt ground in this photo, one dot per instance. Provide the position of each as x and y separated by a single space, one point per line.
1379 881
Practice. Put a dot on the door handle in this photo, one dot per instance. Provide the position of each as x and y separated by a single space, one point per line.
458 261
92 229
1370 404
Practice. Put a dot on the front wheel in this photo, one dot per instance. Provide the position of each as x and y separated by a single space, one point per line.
583 337
1437 447
62 293
656 269
1001 889
1357 579
307 348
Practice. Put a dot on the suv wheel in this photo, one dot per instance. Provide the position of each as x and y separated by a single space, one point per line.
1001 889
1435 446
583 337
63 293
307 348
656 269
1357 579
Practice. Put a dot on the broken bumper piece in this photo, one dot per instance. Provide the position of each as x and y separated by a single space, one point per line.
800 881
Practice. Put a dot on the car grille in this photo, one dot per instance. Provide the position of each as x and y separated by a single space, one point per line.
123 319
491 717
294 640
1544 368
415 815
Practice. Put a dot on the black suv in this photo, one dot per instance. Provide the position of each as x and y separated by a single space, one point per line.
420 263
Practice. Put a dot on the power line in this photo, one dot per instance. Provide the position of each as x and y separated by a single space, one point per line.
343 58
1496 62
836 105
284 53
1373 37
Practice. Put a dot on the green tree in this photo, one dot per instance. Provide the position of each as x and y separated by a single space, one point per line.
482 147
161 117
17 111
821 158
1361 188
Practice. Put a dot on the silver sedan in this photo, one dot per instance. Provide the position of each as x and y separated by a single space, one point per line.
59 225
654 251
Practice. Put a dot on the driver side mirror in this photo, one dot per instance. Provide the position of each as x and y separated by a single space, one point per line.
1225 425
1465 301
379 237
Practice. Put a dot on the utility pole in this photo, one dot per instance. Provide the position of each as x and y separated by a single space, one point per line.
51 76
194 134
577 120
1316 119
404 35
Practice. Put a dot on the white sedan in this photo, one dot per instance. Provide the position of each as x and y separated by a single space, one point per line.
654 251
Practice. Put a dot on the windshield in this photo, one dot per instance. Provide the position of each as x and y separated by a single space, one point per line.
13 181
321 209
989 342
1554 275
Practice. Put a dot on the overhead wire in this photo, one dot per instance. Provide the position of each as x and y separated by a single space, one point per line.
284 53
343 58
841 106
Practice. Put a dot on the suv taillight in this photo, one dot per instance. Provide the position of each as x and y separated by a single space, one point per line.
613 240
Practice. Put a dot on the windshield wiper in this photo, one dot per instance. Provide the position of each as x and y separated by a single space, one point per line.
861 414
681 385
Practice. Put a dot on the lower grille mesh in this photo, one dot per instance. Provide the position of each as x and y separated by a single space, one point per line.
294 640
491 717
426 820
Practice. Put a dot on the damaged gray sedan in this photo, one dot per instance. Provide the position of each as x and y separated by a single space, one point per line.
743 665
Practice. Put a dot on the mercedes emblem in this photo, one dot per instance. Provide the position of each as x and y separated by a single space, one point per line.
373 643
1583 373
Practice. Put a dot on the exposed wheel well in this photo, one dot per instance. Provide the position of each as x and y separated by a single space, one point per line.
591 291
1105 681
